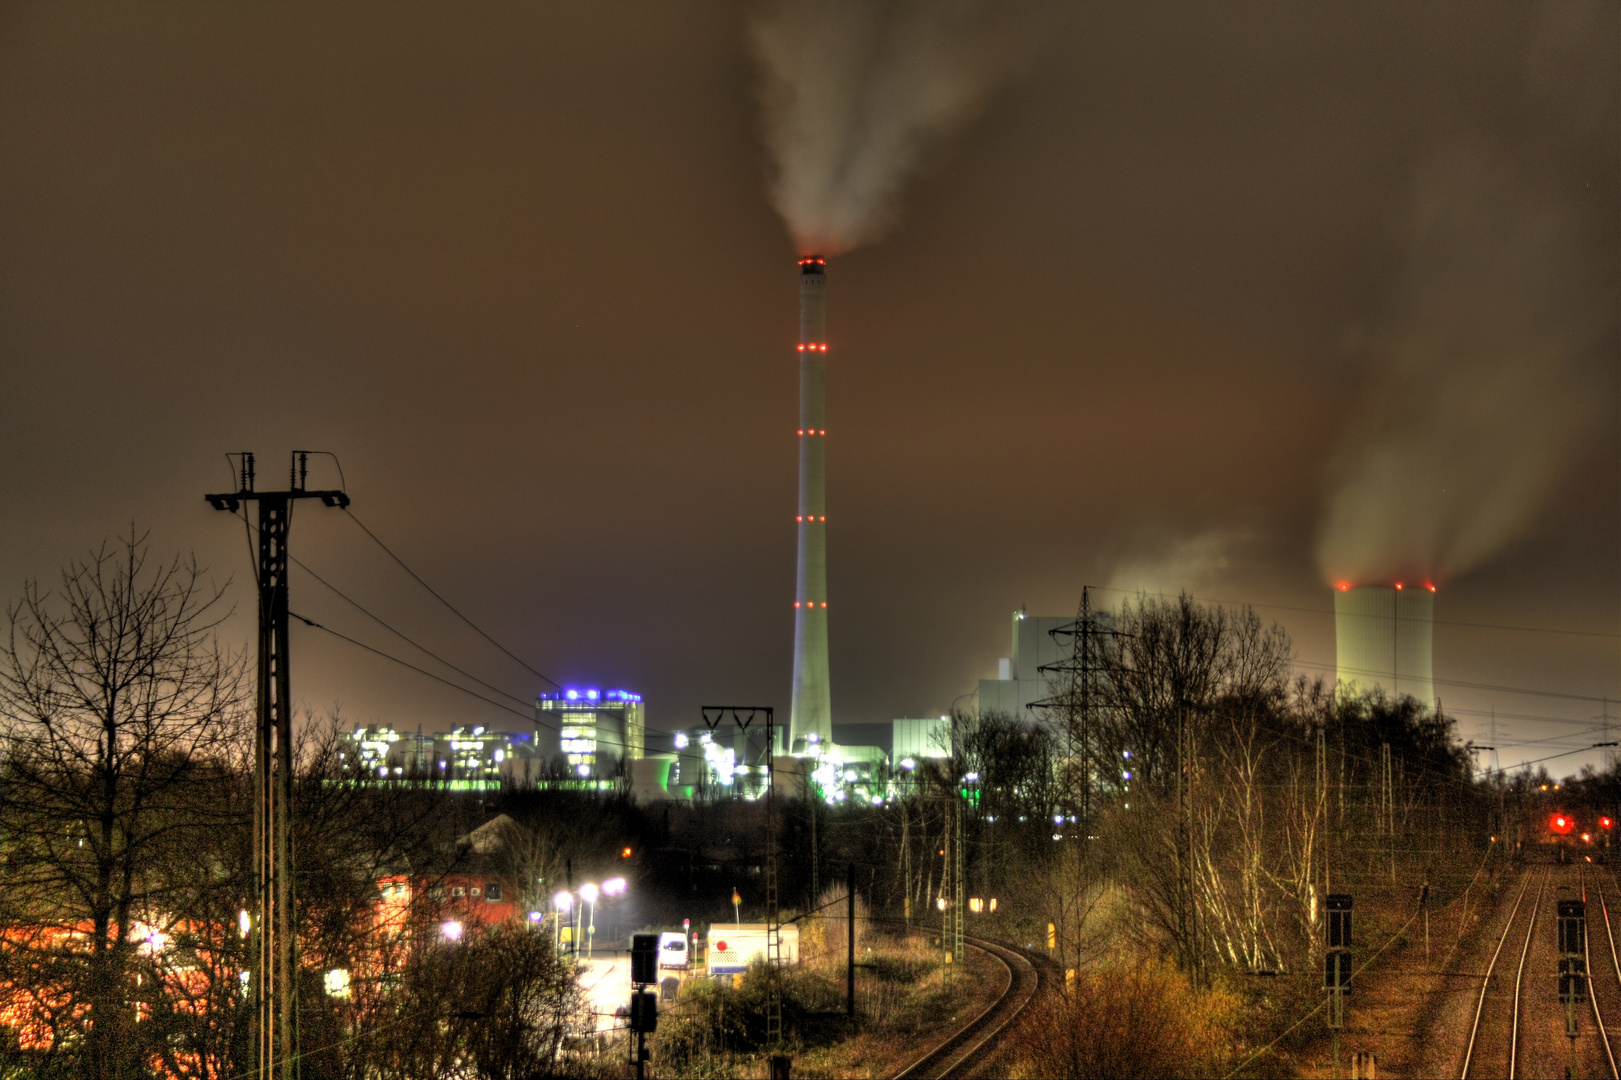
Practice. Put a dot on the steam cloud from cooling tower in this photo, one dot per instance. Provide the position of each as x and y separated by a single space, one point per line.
1484 380
856 94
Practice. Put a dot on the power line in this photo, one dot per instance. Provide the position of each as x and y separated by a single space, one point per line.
385 625
1402 618
453 609
531 717
1466 685
420 648
535 719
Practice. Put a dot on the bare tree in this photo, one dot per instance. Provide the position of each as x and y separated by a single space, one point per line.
119 706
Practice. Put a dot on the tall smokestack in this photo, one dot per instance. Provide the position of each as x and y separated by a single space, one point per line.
1383 638
811 717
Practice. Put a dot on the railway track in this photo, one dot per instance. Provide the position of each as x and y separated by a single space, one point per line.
1523 1032
1488 1039
1598 981
971 1043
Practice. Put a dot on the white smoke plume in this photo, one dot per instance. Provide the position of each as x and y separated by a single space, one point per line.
1484 379
856 94
1196 564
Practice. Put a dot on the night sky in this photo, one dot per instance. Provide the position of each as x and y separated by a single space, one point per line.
519 267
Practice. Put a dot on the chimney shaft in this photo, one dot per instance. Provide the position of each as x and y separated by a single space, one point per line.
811 713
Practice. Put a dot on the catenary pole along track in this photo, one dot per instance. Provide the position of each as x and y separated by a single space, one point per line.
965 1046
1473 1053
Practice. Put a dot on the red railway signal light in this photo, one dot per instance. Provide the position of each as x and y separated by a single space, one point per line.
1562 824
1605 823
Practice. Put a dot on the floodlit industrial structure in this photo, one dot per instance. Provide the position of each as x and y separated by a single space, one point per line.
597 733
810 720
584 739
1383 638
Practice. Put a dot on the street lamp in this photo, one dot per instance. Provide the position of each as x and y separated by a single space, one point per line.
588 894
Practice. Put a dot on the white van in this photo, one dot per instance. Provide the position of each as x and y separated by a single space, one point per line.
673 950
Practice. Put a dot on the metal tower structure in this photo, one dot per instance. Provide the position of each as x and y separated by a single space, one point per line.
273 952
743 716
810 720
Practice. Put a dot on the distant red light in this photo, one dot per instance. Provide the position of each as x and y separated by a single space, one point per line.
1562 824
802 348
1430 587
824 603
1345 586
1398 586
796 603
1605 823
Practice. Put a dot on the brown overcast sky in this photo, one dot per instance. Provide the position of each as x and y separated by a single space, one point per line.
517 266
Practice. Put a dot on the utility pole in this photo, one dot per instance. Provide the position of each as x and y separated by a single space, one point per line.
273 960
906 861
958 908
850 927
1320 813
1387 809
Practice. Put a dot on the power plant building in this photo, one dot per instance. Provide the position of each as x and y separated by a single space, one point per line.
1018 679
1383 639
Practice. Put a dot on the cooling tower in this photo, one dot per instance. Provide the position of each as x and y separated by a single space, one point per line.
811 717
1383 639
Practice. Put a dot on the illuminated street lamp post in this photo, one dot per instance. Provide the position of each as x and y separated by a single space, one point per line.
588 895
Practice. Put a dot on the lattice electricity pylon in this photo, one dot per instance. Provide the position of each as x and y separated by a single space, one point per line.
273 948
1077 700
743 715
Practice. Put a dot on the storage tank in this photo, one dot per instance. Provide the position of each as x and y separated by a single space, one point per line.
1383 637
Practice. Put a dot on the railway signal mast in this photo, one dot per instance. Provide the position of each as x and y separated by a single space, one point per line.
1572 967
1337 966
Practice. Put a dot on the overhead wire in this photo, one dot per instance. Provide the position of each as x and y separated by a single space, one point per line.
420 671
451 607
1402 618
399 634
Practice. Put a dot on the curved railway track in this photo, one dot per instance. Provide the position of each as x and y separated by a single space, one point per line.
971 1042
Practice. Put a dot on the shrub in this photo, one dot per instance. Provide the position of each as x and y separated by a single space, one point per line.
1144 1021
